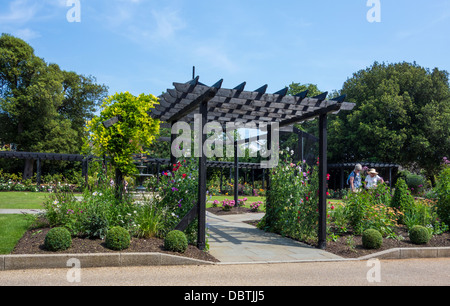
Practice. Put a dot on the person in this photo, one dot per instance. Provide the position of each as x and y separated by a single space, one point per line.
372 179
355 178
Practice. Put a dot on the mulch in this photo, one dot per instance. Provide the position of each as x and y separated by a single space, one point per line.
346 248
351 247
32 242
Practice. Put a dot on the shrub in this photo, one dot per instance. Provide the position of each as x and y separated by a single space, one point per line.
443 195
419 235
416 183
227 205
176 241
370 209
58 239
176 198
372 239
95 226
402 199
117 238
291 202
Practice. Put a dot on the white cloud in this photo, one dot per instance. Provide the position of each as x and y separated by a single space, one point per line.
20 12
168 22
26 34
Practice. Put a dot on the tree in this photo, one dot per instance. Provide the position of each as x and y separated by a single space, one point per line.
401 115
42 108
135 130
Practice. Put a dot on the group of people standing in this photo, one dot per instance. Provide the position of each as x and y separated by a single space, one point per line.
371 181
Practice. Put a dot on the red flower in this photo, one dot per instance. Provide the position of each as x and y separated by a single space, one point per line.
328 177
184 175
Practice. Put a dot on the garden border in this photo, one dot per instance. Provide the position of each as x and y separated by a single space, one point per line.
99 260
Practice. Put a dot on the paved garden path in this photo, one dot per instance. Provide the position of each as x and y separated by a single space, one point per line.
20 211
233 241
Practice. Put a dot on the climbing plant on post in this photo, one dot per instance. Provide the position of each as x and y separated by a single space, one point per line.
128 135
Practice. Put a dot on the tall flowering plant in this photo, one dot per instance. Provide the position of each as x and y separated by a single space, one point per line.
292 200
178 191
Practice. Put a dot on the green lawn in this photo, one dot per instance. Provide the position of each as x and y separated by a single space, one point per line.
12 228
22 200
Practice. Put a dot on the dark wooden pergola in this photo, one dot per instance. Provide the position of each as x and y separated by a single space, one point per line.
48 156
215 103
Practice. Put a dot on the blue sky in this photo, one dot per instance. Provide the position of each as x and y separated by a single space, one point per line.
143 46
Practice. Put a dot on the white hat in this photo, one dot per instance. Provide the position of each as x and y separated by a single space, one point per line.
372 171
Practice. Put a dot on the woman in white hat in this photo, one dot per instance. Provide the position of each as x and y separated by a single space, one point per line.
372 179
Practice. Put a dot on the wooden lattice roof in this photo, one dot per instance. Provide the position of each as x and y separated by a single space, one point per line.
42 156
237 104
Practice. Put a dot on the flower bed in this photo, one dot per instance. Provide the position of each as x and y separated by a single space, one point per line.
292 208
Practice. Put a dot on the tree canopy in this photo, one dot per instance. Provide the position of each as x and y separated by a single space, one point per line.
130 135
402 115
42 108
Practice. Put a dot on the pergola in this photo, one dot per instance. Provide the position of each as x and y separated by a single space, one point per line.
218 104
48 156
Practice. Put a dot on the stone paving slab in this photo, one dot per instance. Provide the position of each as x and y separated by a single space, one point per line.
233 241
20 211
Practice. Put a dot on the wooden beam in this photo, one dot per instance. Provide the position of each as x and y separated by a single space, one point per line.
310 115
205 97
188 218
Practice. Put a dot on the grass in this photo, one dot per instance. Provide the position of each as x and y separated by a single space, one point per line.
12 228
22 200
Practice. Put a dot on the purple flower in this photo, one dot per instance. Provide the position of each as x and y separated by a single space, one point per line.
174 189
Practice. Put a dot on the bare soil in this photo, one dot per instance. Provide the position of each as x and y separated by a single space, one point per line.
349 246
32 242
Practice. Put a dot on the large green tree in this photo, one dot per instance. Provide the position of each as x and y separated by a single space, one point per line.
42 108
402 115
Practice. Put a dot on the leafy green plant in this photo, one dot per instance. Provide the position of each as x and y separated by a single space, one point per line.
177 195
443 195
176 241
419 235
420 212
402 199
292 200
372 239
149 221
370 209
117 238
95 226
128 136
58 239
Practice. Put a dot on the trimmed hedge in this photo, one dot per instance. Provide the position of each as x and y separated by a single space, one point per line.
176 241
58 239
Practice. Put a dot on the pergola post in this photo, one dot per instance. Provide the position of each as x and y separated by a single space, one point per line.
236 171
201 208
38 171
322 181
